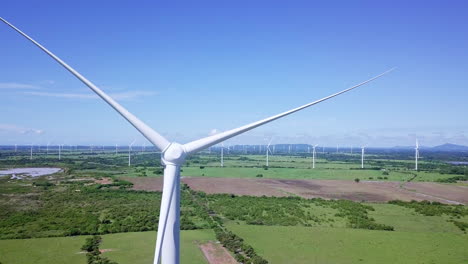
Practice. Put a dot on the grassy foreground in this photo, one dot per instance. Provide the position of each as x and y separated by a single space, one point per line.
135 248
311 245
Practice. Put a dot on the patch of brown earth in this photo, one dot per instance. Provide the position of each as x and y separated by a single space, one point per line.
232 186
216 254
145 184
336 189
105 180
106 250
446 193
372 191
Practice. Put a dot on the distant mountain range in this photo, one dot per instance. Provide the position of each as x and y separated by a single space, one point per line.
443 147
449 147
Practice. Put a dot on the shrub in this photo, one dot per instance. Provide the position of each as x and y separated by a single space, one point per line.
357 180
259 175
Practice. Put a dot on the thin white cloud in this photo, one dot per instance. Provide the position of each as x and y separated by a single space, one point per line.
213 131
9 128
18 86
117 96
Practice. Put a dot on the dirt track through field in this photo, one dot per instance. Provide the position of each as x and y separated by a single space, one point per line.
216 254
371 191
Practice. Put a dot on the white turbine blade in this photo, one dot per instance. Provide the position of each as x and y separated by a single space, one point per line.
269 143
200 144
153 136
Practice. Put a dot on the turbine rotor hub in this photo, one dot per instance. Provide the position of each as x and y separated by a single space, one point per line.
174 154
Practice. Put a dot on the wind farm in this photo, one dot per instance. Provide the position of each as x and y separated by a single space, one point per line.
233 194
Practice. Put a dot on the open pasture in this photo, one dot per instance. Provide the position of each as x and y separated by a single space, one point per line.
137 248
314 245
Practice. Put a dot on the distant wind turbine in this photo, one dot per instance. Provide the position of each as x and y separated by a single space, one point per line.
173 156
416 155
268 150
313 156
130 153
362 157
222 155
30 155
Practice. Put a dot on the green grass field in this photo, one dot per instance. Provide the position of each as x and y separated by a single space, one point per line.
294 173
310 245
135 248
407 220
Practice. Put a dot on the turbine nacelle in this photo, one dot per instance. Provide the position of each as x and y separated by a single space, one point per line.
174 154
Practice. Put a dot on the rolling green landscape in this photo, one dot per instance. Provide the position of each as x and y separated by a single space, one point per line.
47 219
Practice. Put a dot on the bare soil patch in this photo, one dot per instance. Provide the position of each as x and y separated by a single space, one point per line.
146 184
232 186
216 254
104 181
370 191
447 192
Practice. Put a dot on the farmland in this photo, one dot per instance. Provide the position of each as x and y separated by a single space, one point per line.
124 248
281 244
284 213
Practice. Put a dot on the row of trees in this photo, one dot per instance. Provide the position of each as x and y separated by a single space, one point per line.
243 252
93 253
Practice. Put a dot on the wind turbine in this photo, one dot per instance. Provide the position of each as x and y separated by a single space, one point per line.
268 150
416 155
222 155
115 148
173 156
362 156
60 151
313 156
30 155
130 152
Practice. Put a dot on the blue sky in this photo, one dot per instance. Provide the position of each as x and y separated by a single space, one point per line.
188 68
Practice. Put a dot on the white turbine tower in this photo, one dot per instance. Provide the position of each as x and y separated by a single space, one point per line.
268 150
362 157
30 155
173 156
115 148
416 155
60 151
130 153
222 155
313 156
